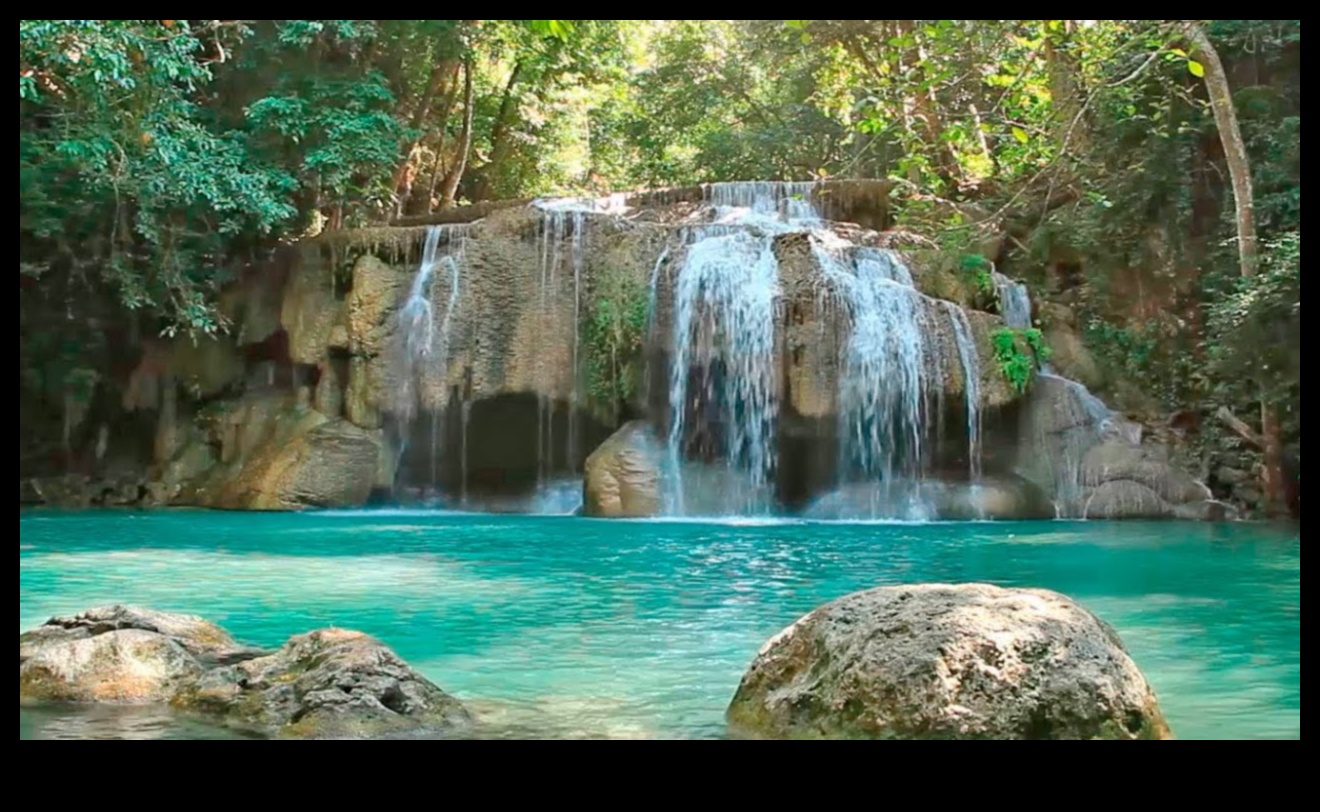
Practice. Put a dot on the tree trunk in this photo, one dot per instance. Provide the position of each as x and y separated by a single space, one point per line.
1239 172
1070 131
499 137
449 190
446 107
402 175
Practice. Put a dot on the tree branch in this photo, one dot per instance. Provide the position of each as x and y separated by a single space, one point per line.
1240 427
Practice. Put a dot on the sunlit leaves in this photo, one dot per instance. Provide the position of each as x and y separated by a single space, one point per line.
561 29
1195 68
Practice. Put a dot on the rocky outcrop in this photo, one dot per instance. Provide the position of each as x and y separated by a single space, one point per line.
623 475
116 654
939 661
330 683
1128 481
277 453
1093 464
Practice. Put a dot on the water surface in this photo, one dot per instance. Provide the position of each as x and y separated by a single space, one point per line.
570 627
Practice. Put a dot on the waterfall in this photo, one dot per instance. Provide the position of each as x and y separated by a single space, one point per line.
579 226
883 375
425 351
971 369
724 334
1091 420
1014 302
722 400
563 219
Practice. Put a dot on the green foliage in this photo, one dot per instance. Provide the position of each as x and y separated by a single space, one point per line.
155 154
1019 353
614 332
980 271
1254 332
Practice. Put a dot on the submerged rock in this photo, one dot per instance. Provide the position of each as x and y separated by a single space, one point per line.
940 661
327 683
623 474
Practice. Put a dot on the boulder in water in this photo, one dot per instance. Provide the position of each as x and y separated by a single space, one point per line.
941 661
623 474
328 683
116 654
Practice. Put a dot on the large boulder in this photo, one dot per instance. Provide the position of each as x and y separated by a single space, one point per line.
277 453
623 474
116 654
940 661
327 683
1115 460
334 464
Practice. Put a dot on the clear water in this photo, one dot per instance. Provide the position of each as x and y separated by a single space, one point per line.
565 627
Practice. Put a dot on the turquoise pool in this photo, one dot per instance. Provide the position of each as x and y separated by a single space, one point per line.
569 627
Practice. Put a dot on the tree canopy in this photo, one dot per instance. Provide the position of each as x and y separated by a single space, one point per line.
155 156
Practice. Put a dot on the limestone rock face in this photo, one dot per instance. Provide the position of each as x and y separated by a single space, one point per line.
310 311
1091 464
330 683
940 661
623 475
278 454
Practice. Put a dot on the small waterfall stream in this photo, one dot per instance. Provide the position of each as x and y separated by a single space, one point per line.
425 350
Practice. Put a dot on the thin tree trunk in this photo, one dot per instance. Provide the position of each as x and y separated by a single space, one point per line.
447 107
402 176
450 189
1239 171
499 137
1061 67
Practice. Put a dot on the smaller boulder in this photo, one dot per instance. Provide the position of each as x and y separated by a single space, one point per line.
330 683
1124 499
623 474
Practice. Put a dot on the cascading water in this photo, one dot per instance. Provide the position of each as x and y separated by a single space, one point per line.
563 220
724 337
971 369
425 351
1089 420
765 203
883 377
1014 302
